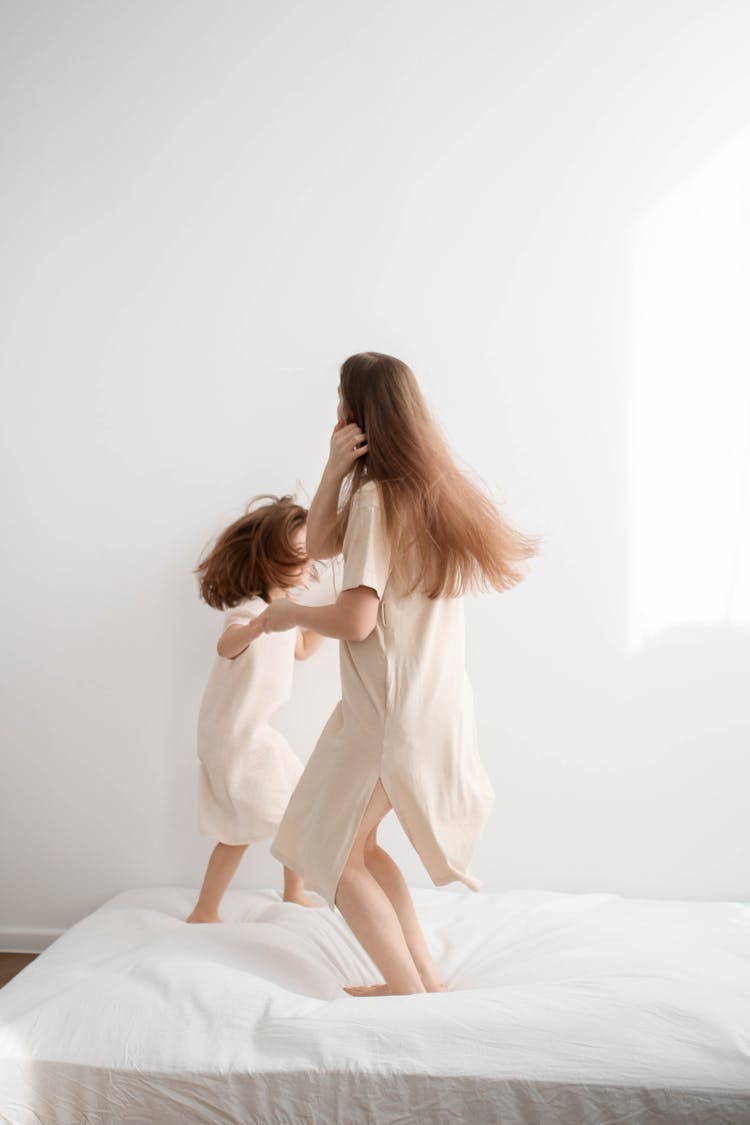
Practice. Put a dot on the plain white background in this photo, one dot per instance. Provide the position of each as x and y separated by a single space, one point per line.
541 207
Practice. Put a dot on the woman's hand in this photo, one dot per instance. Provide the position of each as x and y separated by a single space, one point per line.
278 616
342 456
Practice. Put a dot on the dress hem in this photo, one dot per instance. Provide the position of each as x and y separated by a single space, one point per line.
236 843
309 885
453 876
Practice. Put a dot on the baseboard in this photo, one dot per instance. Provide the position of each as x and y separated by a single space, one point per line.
14 939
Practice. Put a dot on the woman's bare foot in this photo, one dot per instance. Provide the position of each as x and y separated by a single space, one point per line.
203 916
380 990
301 900
368 990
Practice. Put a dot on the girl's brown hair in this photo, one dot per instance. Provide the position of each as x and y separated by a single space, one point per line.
462 540
254 554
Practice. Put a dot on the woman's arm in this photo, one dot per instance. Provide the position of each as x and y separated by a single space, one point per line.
236 638
348 444
352 617
321 515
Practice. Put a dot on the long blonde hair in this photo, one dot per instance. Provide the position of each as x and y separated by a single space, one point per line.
462 540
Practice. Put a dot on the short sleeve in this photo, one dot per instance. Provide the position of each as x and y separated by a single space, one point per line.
365 549
241 614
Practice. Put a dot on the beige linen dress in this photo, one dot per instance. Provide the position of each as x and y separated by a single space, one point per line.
247 768
406 716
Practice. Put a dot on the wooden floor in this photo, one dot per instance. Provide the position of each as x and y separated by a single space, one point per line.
12 963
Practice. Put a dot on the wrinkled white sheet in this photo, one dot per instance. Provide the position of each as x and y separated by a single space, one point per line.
567 1009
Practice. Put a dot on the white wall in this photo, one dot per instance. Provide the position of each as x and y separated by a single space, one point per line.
542 208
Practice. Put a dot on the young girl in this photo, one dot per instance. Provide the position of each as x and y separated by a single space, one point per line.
415 533
247 769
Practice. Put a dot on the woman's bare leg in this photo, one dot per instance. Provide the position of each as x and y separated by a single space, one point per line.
369 912
389 876
370 916
222 864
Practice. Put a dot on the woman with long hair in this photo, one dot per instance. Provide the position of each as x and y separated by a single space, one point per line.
416 534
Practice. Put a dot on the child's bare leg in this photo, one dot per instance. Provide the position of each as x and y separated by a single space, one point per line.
294 889
370 914
388 875
222 864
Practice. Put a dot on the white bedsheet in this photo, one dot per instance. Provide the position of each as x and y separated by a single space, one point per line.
566 1009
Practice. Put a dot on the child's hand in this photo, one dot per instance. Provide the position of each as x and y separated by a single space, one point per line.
343 454
278 617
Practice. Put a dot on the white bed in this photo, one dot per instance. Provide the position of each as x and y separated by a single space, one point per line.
564 1009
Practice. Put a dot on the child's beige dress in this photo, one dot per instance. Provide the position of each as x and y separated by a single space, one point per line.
247 768
406 716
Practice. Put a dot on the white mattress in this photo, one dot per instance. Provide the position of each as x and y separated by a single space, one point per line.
567 1009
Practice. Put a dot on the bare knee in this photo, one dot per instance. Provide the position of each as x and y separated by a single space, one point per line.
365 841
373 852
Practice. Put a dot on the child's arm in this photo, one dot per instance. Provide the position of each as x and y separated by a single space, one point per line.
236 638
307 643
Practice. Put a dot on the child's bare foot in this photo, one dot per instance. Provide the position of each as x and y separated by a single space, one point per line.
203 916
301 900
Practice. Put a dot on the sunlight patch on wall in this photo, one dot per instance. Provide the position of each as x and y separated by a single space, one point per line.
689 403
